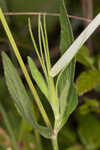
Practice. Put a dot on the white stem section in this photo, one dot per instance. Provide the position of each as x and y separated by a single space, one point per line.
74 48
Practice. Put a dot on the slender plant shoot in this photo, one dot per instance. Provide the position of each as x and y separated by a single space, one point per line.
74 48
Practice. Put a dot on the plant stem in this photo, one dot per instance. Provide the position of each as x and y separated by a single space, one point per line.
44 14
75 47
38 141
55 143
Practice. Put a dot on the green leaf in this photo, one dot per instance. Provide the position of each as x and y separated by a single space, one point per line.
20 96
90 105
66 30
65 78
65 42
84 58
87 80
63 88
71 105
37 76
89 131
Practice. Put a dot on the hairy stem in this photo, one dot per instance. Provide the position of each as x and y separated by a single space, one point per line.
55 143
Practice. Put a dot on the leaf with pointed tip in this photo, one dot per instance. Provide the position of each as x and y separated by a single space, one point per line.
20 96
37 76
66 30
65 78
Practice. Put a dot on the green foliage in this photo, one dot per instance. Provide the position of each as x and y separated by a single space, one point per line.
89 131
65 89
20 97
90 105
66 34
23 67
84 58
63 100
45 64
60 93
71 106
4 89
37 76
87 80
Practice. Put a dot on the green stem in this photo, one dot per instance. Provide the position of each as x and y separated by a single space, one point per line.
55 143
46 40
38 141
23 67
9 128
